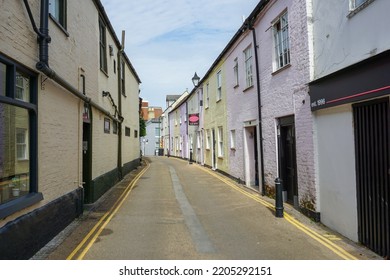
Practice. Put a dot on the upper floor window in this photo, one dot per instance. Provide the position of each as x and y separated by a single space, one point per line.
219 86
235 72
354 4
281 41
103 45
248 67
207 99
122 76
357 5
57 9
22 87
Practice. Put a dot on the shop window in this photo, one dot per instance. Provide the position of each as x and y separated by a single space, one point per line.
18 138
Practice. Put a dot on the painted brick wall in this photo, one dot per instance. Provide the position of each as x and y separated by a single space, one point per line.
285 93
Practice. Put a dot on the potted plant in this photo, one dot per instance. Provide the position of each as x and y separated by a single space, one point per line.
15 187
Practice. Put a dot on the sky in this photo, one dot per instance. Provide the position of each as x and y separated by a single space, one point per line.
167 41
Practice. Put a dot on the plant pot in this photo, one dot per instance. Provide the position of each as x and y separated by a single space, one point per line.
15 191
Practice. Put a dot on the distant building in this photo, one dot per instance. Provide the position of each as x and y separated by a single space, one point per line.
150 112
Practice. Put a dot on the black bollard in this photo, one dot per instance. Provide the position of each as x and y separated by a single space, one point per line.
279 198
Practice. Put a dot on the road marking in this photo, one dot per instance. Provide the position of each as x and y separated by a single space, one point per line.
313 234
198 233
104 220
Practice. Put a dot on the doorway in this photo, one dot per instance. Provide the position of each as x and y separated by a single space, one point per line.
251 157
287 159
371 121
87 162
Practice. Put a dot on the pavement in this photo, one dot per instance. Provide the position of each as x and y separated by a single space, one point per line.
167 197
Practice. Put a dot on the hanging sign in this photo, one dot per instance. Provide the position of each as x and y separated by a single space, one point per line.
193 119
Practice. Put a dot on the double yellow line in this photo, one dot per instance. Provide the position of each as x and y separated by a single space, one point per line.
310 232
84 246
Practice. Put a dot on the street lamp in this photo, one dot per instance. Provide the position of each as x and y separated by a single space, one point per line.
195 80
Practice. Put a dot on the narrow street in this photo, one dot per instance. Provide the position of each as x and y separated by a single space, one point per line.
175 210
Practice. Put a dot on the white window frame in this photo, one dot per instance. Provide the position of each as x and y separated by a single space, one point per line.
22 84
235 72
354 4
207 101
220 141
281 41
208 140
198 139
57 9
248 67
21 145
219 85
233 139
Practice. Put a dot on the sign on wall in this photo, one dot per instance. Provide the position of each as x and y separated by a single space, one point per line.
193 119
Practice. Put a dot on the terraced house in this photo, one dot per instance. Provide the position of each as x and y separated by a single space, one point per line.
68 117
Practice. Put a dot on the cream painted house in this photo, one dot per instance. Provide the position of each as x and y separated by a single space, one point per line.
68 117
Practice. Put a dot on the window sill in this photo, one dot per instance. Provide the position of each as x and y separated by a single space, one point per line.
220 157
219 100
358 9
236 86
233 148
281 69
104 72
248 88
59 25
18 204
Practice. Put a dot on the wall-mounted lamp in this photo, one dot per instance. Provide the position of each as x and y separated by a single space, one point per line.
106 93
195 80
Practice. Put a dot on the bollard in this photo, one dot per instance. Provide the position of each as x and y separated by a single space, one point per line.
279 198
190 156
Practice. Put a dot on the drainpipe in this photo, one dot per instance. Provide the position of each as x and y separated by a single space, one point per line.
43 63
250 25
120 89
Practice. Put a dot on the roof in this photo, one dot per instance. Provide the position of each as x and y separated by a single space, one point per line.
172 97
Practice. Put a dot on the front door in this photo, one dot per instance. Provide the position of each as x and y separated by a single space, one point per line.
287 159
87 162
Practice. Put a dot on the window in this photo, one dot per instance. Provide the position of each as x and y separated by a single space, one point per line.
354 4
103 45
135 133
220 141
127 131
198 139
219 86
232 139
157 131
207 96
18 138
281 41
123 84
248 67
21 144
57 10
208 140
22 87
235 72
107 125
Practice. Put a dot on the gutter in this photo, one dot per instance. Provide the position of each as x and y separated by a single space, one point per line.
43 63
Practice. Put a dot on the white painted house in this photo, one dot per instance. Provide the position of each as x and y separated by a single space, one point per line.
350 103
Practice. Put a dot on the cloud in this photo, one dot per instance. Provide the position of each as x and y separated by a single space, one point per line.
168 40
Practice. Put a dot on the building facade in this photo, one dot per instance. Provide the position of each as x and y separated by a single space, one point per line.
64 116
350 103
